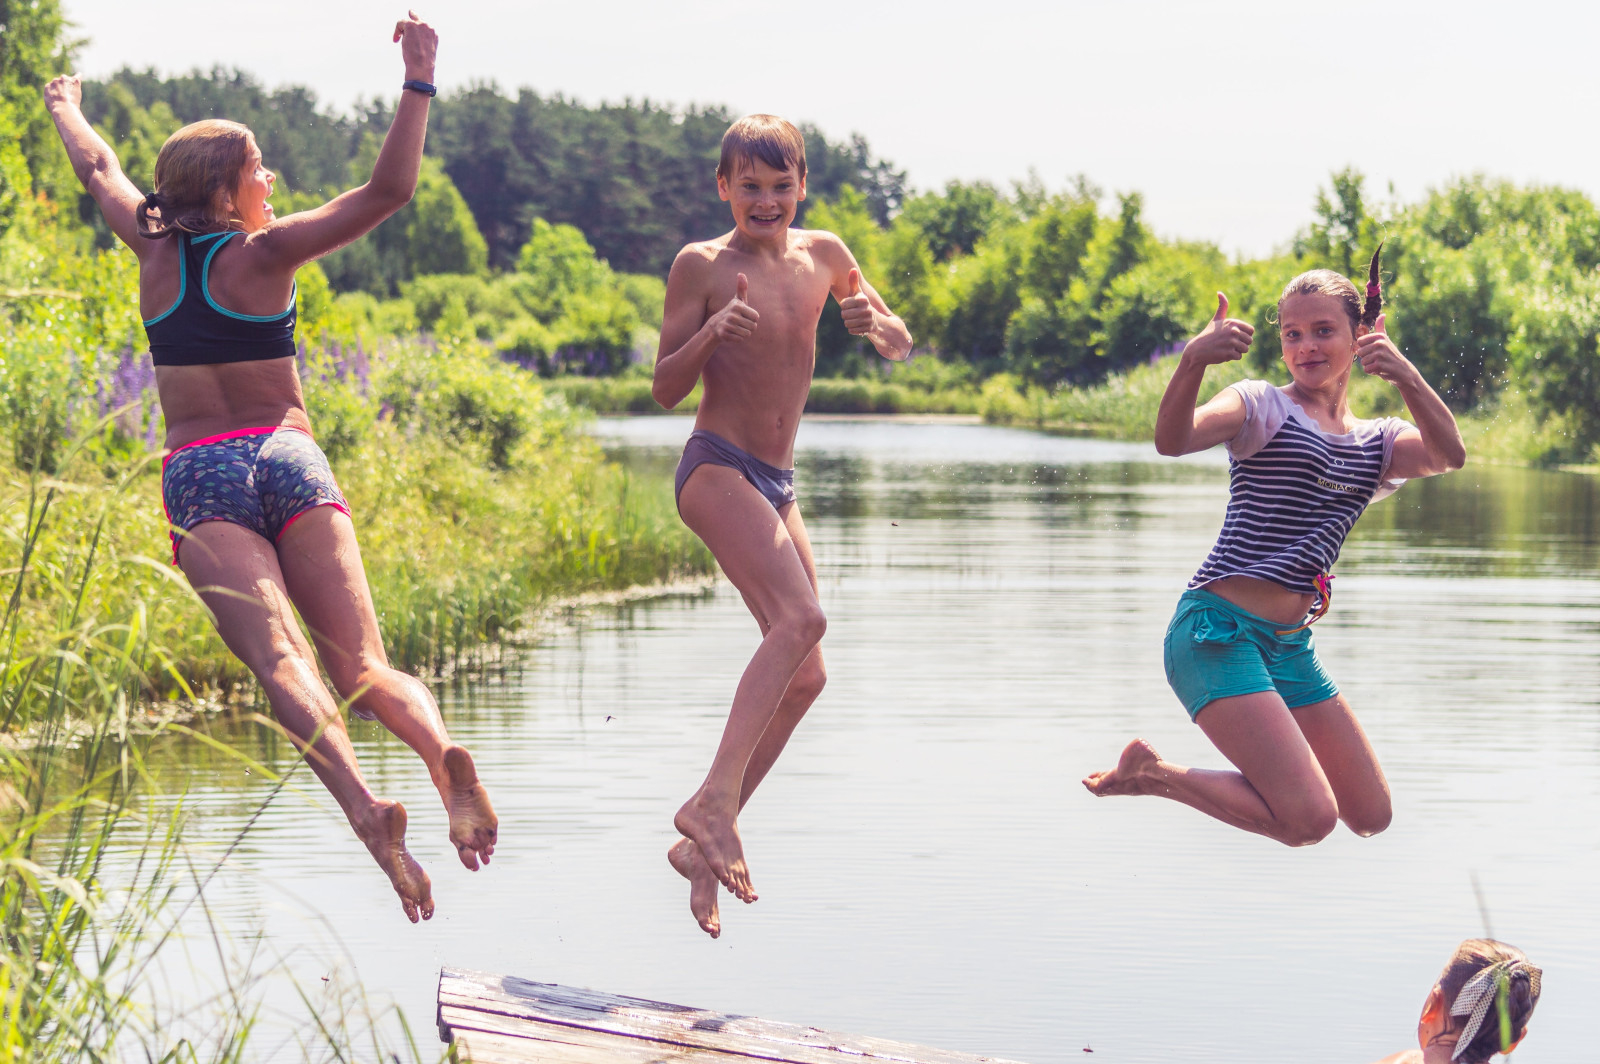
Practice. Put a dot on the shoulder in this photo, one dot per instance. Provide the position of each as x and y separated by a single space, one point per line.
1250 394
1251 389
821 244
698 259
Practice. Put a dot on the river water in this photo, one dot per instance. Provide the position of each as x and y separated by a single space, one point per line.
929 867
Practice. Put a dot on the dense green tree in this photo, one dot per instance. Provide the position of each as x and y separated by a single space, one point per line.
639 179
306 145
952 222
32 51
1344 233
434 233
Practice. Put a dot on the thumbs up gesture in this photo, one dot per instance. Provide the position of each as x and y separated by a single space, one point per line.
737 320
1224 339
856 308
1380 357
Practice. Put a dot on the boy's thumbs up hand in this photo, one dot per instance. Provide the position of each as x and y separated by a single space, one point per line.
856 309
737 319
1224 339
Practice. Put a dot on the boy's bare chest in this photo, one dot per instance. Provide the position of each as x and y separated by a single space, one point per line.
790 297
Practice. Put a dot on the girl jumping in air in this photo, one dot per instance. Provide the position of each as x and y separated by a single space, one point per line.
1239 651
259 526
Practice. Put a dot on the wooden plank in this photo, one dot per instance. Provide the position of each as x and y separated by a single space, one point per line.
470 1022
550 1004
480 1047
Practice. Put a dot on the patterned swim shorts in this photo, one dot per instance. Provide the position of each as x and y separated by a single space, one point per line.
262 479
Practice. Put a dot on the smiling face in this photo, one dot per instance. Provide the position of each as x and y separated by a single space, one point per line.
1319 344
764 199
248 200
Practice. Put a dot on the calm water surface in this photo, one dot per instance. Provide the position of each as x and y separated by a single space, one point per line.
929 866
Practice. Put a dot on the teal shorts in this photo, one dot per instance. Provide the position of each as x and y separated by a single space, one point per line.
1216 650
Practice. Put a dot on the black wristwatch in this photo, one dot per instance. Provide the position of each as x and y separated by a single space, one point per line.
421 86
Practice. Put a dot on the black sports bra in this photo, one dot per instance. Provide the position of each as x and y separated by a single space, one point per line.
195 331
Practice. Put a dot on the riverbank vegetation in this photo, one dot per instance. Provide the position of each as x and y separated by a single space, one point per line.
543 229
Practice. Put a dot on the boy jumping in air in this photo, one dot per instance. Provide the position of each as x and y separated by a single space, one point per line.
741 315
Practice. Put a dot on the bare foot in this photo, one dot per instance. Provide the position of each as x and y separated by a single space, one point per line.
473 825
1134 774
685 857
385 836
716 833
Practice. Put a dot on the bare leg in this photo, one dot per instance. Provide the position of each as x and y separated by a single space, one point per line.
236 573
324 576
1351 766
1280 791
802 691
756 551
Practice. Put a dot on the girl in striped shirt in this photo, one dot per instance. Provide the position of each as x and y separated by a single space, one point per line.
1239 652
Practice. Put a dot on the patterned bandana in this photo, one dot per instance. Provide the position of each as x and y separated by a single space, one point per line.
1481 992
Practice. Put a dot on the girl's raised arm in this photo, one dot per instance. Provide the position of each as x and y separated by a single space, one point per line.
1435 445
290 242
1180 428
94 162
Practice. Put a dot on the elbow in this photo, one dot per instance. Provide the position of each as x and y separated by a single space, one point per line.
663 397
1168 447
392 195
1456 458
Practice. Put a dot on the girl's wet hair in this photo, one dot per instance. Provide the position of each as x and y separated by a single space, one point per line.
1329 283
197 165
1515 995
773 140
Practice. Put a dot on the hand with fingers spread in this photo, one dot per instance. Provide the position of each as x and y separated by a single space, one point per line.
64 90
419 45
1224 339
737 320
1380 357
856 309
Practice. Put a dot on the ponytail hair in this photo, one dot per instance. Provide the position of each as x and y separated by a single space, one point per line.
1374 304
197 167
1329 283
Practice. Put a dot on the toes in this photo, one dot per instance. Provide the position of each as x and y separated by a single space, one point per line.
469 858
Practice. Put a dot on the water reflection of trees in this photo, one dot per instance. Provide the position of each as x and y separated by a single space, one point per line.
1489 521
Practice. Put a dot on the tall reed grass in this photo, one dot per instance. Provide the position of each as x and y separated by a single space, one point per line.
94 890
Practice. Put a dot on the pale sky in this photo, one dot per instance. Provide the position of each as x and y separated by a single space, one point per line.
1227 117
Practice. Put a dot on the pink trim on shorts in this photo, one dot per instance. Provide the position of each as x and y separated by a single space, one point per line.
290 523
263 430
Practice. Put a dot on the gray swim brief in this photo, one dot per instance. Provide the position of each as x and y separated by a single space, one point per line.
776 485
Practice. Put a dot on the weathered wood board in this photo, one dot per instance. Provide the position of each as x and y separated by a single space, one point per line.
501 1019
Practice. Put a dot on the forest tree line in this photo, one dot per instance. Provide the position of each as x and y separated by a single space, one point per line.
543 227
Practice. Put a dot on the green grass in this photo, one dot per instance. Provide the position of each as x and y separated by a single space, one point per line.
94 889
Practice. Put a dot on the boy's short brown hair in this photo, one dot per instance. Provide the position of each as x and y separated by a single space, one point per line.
773 140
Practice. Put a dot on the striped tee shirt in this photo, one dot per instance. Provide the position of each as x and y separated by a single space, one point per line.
1295 491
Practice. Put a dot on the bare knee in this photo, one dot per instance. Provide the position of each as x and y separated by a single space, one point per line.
805 623
1371 821
1309 824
